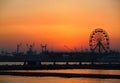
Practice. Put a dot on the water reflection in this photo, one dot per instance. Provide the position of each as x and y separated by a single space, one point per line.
28 79
76 71
20 79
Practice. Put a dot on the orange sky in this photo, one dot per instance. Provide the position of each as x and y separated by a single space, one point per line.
57 22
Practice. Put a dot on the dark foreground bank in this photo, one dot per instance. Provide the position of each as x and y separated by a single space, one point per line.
65 75
52 67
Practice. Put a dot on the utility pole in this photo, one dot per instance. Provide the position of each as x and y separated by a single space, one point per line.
18 48
44 48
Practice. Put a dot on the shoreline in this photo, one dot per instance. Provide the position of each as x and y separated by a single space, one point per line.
53 67
65 75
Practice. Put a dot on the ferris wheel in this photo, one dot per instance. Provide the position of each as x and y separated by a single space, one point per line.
99 41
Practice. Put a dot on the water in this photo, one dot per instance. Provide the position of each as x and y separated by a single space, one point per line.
34 79
11 63
19 79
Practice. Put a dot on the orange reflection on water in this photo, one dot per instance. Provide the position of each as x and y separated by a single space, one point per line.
19 79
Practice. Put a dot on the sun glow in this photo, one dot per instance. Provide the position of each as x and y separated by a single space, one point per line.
57 23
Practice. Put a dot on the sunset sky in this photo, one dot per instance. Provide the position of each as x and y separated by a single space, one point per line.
57 22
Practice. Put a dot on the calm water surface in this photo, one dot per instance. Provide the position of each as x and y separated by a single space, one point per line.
27 79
